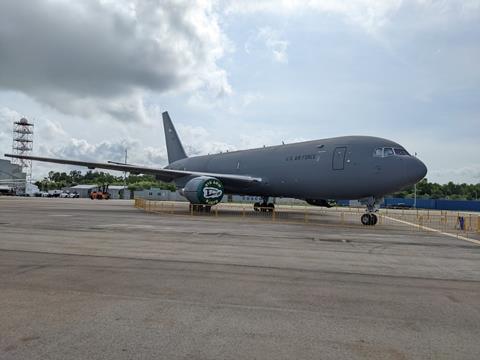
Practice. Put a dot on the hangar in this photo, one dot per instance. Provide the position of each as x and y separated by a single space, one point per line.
84 190
11 173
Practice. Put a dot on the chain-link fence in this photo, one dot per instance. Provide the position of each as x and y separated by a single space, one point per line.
454 223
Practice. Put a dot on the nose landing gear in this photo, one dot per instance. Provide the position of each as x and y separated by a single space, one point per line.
369 219
373 204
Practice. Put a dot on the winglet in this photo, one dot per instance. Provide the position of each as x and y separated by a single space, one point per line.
175 149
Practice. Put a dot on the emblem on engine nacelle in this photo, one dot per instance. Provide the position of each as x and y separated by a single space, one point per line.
211 191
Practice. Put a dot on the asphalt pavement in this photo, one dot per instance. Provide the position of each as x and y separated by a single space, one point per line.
82 279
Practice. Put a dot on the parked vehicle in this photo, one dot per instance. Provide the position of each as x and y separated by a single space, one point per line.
54 193
101 193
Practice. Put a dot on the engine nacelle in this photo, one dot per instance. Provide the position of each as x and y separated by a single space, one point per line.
203 190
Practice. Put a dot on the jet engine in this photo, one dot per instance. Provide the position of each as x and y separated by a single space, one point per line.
203 190
320 202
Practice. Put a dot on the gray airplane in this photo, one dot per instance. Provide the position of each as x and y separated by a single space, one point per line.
349 167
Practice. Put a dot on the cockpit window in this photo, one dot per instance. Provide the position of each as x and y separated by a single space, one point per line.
378 152
401 152
387 152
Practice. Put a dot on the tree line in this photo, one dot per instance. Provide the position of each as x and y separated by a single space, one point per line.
452 191
59 180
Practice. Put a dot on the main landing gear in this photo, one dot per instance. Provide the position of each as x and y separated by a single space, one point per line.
264 206
373 204
369 219
200 208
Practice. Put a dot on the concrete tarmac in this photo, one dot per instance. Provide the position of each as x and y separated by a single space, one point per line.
82 279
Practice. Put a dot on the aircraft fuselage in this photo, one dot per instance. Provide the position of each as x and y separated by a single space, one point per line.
336 168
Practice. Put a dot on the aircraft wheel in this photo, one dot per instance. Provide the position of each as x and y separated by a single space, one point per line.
271 207
374 219
256 206
207 208
366 219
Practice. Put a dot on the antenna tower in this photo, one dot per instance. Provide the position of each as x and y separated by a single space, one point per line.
23 145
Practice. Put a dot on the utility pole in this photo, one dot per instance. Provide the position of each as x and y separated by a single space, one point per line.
125 176
415 192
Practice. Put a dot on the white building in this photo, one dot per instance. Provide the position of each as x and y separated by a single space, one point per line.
82 190
118 192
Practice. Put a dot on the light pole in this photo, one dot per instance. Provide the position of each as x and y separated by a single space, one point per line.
125 176
415 192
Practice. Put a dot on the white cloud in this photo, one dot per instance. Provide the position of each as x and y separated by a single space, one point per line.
468 174
7 117
100 57
271 40
369 14
81 149
233 105
198 141
52 130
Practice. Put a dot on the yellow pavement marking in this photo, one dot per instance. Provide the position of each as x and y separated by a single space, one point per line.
477 242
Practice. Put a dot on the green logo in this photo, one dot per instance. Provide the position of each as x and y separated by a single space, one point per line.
210 192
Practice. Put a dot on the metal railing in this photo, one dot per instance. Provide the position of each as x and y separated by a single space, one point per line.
449 222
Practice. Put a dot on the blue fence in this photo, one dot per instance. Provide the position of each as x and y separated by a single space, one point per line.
437 204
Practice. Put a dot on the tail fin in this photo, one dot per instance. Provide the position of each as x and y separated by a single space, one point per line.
175 149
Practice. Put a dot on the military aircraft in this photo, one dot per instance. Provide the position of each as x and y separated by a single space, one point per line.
349 167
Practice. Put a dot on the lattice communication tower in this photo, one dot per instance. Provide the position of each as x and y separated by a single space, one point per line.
23 145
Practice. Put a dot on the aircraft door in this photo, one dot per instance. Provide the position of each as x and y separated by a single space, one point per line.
338 160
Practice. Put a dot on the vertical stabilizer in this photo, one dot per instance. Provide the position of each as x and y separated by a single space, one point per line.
175 149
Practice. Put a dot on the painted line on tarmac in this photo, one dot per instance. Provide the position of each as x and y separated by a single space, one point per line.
477 242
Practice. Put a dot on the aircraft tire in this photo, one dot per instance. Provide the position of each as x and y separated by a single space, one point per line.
366 219
374 219
256 206
271 207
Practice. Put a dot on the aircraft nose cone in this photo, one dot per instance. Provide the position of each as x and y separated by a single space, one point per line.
417 170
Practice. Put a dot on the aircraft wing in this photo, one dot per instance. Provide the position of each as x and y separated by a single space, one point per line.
161 174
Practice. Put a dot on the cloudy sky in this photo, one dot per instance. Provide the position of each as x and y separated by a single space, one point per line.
95 75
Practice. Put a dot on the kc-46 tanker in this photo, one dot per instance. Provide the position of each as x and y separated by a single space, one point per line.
349 167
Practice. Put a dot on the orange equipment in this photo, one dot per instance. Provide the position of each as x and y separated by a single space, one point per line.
101 193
